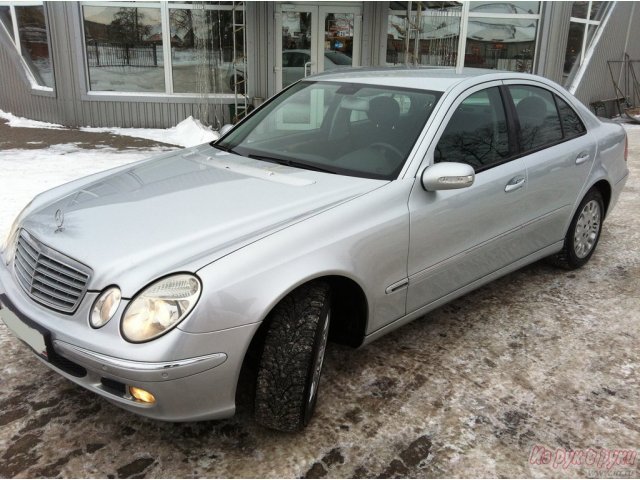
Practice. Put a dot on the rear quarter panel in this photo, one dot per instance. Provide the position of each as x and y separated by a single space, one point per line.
609 164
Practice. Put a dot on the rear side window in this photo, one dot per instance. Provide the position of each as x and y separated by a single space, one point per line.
572 126
476 133
538 117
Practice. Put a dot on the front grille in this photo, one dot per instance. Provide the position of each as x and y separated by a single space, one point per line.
49 277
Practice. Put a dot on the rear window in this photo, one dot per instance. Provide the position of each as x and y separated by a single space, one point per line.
572 126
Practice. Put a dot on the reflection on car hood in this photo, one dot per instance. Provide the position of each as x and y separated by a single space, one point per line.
182 211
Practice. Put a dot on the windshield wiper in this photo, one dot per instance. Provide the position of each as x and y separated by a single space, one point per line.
290 163
224 149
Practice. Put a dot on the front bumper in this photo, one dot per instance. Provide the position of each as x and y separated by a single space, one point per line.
192 376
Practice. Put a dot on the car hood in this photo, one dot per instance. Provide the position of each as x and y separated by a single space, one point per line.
181 212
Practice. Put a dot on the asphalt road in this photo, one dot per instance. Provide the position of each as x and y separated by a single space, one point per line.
541 358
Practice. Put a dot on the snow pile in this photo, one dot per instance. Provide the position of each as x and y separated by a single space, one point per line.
187 133
14 121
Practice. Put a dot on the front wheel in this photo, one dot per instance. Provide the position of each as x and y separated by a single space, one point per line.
584 232
292 358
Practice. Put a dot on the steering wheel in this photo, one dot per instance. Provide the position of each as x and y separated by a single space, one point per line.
389 148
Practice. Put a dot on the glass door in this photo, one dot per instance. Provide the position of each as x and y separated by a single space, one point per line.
297 57
314 39
340 47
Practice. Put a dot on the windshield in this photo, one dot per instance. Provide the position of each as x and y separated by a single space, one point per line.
351 129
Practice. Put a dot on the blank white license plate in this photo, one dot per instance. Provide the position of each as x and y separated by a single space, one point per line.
24 332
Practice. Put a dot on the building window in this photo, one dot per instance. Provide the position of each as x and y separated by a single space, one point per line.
499 35
585 19
124 48
26 24
502 35
5 20
165 47
204 46
428 34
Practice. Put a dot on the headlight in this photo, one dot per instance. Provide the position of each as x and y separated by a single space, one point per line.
160 307
9 245
105 307
8 248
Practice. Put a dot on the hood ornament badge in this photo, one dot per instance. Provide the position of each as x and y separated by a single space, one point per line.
59 220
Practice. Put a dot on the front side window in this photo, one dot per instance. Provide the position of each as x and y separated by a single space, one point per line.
476 133
27 27
345 128
537 115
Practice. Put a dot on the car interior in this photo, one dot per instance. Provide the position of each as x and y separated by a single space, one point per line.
366 133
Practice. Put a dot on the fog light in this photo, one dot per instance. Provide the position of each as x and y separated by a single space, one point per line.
142 395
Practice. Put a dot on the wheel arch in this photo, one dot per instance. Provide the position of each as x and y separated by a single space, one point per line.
604 187
349 317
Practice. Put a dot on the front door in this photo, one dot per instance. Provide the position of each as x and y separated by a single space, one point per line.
314 39
459 236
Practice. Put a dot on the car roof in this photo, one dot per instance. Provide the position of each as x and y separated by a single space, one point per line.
423 78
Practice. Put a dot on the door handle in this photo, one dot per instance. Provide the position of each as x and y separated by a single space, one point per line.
515 183
582 157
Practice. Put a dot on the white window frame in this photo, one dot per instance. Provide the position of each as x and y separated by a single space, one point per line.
580 69
164 7
587 22
15 39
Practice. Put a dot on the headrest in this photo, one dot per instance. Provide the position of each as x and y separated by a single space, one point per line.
532 108
384 111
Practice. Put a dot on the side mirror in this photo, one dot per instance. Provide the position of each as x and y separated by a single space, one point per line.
225 128
447 176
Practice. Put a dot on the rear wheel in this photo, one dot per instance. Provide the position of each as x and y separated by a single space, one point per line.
584 232
293 355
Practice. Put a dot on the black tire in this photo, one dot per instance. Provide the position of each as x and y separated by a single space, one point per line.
583 234
292 358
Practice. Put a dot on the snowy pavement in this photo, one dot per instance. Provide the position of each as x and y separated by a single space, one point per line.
540 360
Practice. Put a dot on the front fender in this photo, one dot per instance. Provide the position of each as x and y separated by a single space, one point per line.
365 240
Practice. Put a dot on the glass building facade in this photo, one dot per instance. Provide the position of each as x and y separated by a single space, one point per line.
234 54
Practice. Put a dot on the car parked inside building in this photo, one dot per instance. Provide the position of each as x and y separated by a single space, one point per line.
346 206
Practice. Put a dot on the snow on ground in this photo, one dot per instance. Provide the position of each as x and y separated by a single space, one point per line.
25 173
187 133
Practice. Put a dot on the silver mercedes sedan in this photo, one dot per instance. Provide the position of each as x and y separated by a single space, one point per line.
346 206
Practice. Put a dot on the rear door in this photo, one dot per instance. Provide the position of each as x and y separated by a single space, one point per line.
558 154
